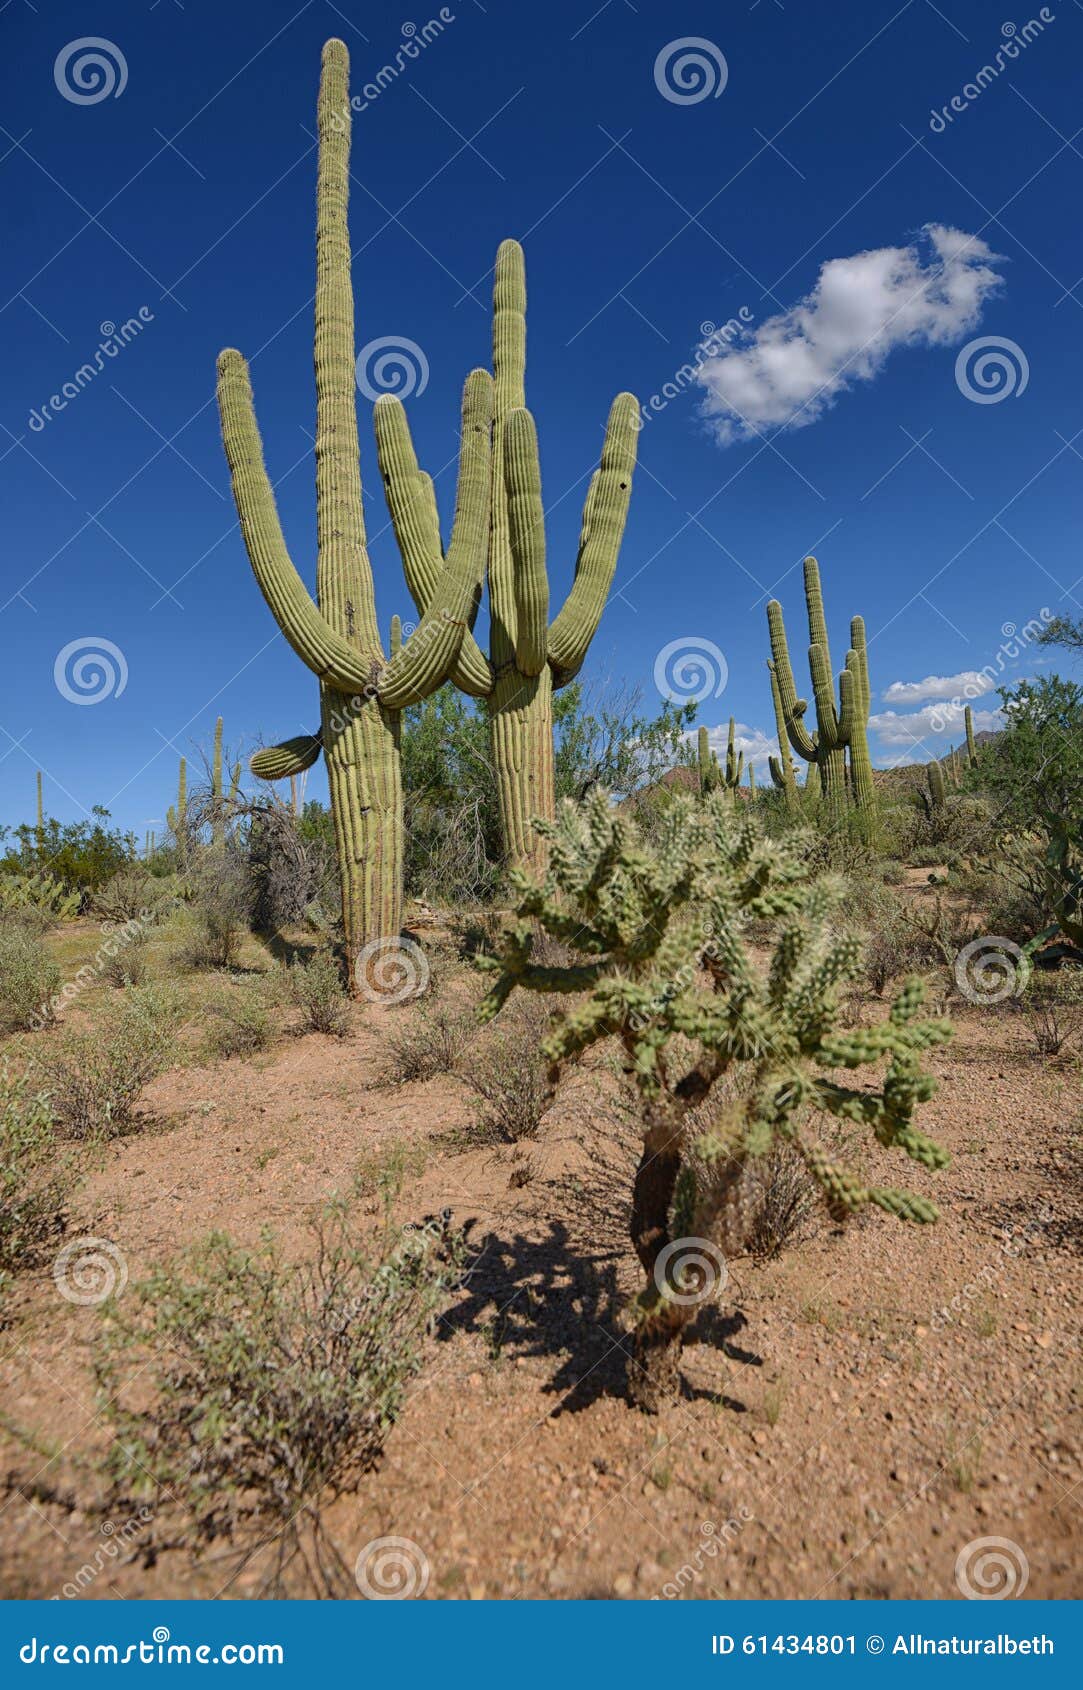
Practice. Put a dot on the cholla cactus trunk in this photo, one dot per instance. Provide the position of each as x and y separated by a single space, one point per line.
857 661
971 745
362 694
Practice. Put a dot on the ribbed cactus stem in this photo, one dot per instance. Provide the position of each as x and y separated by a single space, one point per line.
361 692
41 812
937 791
781 767
735 762
710 775
971 744
857 661
751 781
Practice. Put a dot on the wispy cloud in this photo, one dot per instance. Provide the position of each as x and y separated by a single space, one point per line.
795 366
968 683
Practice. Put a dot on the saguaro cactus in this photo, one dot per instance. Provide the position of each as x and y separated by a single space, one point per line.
362 692
937 789
710 774
735 763
177 818
971 744
835 724
529 655
857 662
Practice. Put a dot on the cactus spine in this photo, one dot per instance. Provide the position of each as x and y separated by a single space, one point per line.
529 656
362 693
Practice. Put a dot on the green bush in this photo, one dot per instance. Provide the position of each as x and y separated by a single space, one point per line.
316 989
272 1384
240 1023
221 904
29 980
94 1079
34 1183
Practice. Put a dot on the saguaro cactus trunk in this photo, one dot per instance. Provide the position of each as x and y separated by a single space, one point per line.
857 661
529 656
361 692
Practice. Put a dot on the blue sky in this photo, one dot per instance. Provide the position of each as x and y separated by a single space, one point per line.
187 194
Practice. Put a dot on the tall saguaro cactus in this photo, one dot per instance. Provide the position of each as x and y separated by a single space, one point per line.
971 744
837 725
362 692
529 655
177 819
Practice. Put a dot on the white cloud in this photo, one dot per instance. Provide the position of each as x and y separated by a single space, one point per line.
967 684
756 745
935 721
796 364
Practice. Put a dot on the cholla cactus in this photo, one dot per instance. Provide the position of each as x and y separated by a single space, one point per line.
666 969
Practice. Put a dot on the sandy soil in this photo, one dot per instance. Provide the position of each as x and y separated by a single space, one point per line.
840 1435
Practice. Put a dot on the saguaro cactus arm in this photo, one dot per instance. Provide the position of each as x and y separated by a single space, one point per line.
429 656
292 757
412 504
794 708
604 515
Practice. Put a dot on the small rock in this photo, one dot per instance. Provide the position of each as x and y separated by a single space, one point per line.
623 1584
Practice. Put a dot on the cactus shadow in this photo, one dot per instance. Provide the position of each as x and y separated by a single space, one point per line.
546 1297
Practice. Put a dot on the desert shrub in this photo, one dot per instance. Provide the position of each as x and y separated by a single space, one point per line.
34 1183
93 1079
1052 1007
221 903
431 1042
125 962
239 1023
317 990
82 856
664 968
133 894
29 980
510 1076
272 1384
893 947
